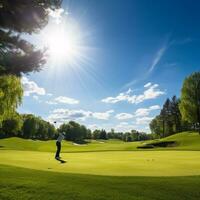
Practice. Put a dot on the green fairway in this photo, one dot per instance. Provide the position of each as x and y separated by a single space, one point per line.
101 170
118 163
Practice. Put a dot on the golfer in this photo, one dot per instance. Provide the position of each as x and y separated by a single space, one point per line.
58 144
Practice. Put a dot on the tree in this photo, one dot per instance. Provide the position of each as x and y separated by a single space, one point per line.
127 137
18 56
96 134
73 131
89 134
135 135
29 126
164 115
36 128
156 126
12 126
176 114
190 99
103 135
11 93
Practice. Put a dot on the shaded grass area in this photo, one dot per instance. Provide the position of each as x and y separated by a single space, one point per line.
26 184
158 144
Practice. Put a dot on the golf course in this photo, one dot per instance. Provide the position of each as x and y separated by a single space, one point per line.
101 169
99 100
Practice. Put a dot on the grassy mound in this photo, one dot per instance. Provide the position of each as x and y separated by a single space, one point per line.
179 141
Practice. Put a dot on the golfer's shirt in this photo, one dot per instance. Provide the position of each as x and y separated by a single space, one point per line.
60 137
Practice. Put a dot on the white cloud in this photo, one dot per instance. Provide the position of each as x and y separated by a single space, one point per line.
66 100
93 126
143 120
30 87
125 127
148 84
102 115
145 111
123 116
121 97
51 102
151 92
63 115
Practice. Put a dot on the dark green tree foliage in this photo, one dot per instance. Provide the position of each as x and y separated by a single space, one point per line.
99 134
37 128
12 126
114 135
74 131
22 16
103 135
136 136
176 114
96 134
156 126
127 137
89 134
190 100
170 120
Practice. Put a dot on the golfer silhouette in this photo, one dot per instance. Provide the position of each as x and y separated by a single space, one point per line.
58 144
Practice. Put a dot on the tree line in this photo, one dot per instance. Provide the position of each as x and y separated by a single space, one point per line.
180 114
29 126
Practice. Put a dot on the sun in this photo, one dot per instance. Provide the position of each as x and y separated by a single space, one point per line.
61 45
64 43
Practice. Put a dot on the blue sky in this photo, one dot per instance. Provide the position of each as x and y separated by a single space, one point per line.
130 56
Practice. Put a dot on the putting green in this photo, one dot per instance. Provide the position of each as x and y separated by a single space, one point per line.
119 163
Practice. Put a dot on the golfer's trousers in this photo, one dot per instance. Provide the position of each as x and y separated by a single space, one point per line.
58 144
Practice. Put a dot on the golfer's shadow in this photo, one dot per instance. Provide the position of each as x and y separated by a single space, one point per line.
61 161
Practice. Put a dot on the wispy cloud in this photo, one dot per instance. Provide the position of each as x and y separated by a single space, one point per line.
66 100
147 84
158 56
124 116
63 100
